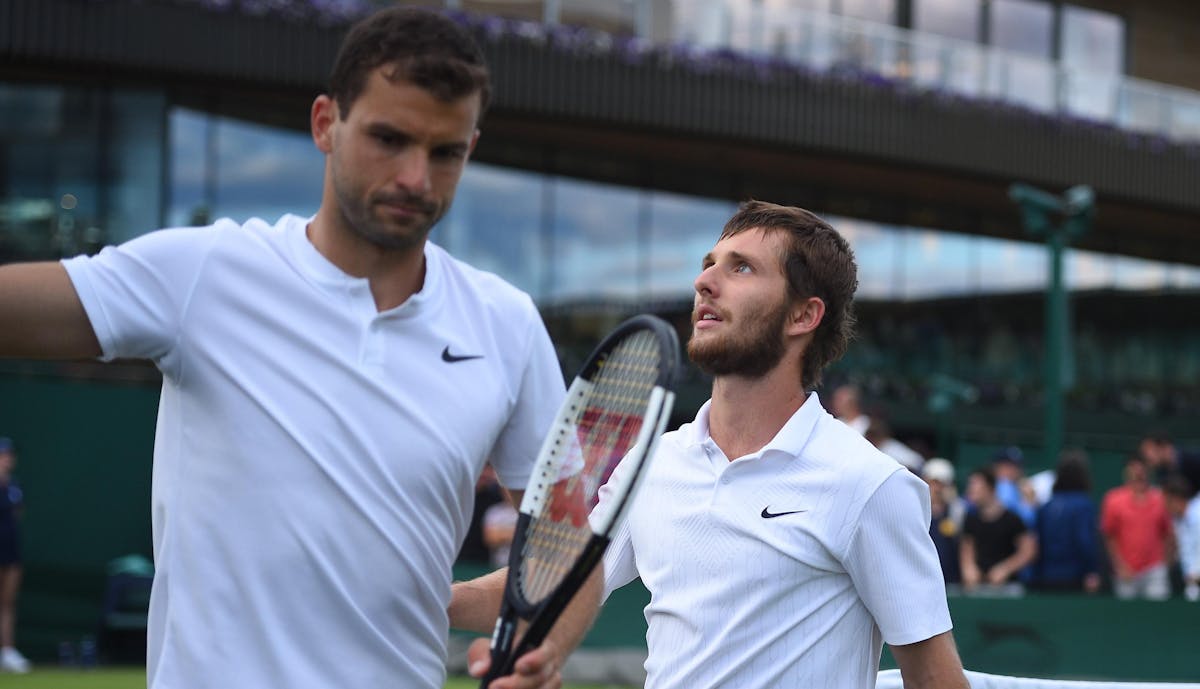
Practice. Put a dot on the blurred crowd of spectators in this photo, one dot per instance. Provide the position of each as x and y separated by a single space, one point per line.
1008 531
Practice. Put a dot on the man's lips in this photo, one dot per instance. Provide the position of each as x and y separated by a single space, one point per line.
705 317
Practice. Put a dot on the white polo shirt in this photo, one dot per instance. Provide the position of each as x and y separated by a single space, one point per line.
785 568
315 460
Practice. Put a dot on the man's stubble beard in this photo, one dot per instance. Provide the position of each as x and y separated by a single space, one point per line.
751 353
362 223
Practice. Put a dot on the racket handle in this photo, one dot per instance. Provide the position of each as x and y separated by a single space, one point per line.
502 641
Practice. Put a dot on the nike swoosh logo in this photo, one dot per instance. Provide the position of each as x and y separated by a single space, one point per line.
771 515
454 358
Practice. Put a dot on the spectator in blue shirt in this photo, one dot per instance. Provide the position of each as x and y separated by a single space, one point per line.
1068 557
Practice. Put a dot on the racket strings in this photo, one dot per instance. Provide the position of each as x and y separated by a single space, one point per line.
607 426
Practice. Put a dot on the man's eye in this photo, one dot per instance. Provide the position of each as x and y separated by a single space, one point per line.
743 268
448 154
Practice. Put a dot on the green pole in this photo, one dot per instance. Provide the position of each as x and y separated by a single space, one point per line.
1075 209
1056 340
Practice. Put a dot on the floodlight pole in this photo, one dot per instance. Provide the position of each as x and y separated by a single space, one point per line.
1074 210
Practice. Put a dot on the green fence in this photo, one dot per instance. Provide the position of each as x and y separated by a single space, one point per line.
85 462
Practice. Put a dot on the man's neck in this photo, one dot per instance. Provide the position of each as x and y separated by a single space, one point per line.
747 413
394 275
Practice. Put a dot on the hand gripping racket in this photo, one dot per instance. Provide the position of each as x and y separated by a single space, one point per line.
615 410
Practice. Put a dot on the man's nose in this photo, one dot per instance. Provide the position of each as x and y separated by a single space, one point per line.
412 173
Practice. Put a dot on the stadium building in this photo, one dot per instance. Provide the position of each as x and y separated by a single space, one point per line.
622 136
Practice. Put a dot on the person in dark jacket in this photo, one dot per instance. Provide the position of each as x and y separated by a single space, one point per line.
1068 557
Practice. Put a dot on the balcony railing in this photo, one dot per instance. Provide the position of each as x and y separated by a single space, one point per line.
832 43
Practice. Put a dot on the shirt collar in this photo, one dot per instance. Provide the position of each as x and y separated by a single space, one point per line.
790 439
320 269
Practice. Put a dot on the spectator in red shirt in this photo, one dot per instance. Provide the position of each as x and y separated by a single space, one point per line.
1137 532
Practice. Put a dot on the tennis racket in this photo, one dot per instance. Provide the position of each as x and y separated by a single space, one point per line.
615 410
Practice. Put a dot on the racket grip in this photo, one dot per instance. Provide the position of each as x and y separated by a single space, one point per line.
502 641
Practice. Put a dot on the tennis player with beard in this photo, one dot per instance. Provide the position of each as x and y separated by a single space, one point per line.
780 548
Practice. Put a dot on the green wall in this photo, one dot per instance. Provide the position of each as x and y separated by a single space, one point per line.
84 451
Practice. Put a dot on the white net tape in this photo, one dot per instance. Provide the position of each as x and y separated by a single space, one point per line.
890 679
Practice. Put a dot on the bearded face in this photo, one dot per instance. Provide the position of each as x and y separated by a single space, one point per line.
748 344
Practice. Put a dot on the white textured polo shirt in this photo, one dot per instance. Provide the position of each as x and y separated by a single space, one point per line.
785 568
315 460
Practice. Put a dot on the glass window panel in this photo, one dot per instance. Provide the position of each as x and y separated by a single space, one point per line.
935 264
701 22
1184 277
265 172
1084 270
1010 266
618 18
876 251
189 131
258 171
1138 274
1092 40
595 241
682 230
882 11
135 193
495 224
50 158
950 18
1022 26
1093 49
1031 82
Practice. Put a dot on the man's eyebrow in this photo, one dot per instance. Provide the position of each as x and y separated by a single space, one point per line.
385 128
739 256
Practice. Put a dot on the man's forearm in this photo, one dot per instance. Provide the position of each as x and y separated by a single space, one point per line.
475 604
577 619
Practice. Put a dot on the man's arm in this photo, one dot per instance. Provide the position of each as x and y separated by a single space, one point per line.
41 316
1025 555
931 664
1114 556
475 605
966 561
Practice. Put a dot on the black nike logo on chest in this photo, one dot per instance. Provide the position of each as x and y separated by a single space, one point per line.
767 514
455 358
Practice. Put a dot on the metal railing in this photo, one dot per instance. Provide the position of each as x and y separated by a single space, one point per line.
828 42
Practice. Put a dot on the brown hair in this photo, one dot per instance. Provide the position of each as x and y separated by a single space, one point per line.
422 47
818 262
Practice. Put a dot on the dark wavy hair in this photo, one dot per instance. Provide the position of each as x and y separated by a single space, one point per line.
818 262
420 46
1072 473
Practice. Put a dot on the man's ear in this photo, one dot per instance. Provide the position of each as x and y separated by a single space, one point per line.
474 142
806 315
321 120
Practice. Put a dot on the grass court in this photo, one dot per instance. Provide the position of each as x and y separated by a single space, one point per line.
135 678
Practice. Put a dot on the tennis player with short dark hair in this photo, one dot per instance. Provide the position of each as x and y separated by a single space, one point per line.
332 387
780 548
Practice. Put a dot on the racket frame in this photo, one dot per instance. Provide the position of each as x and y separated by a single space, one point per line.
555 452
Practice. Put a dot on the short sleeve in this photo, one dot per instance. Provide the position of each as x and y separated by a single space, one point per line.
894 564
620 565
135 294
540 393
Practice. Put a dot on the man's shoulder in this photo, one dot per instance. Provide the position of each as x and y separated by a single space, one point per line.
481 285
839 446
